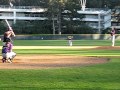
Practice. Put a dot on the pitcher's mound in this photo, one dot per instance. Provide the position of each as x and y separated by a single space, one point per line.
50 61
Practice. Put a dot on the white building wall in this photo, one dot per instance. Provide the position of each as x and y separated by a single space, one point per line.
107 24
20 15
9 14
107 17
91 16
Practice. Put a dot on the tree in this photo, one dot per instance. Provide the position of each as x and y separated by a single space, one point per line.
75 18
2 27
55 9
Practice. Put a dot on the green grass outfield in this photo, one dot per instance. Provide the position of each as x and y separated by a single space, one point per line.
64 43
96 77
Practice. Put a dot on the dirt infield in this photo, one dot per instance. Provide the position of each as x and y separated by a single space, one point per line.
107 48
50 61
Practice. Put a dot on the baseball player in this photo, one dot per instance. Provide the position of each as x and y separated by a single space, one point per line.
7 35
113 36
7 52
70 40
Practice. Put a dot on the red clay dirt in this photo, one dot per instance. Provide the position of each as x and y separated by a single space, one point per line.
107 48
50 61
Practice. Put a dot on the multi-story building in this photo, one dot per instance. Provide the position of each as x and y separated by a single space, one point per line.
95 18
115 15
22 13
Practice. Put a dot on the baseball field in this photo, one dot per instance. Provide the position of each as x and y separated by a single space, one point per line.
53 65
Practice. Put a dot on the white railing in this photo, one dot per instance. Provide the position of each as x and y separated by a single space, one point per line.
23 18
19 7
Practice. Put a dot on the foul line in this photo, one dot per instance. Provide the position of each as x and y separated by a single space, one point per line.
54 47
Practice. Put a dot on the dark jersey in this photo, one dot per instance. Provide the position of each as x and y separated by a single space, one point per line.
4 49
6 37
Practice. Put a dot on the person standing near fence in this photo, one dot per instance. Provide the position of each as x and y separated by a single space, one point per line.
113 36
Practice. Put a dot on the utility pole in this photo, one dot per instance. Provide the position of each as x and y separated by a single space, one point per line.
99 23
83 4
59 20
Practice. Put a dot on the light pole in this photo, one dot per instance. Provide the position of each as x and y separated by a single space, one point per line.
83 4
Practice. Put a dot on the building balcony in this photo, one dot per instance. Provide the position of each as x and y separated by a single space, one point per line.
22 9
23 18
